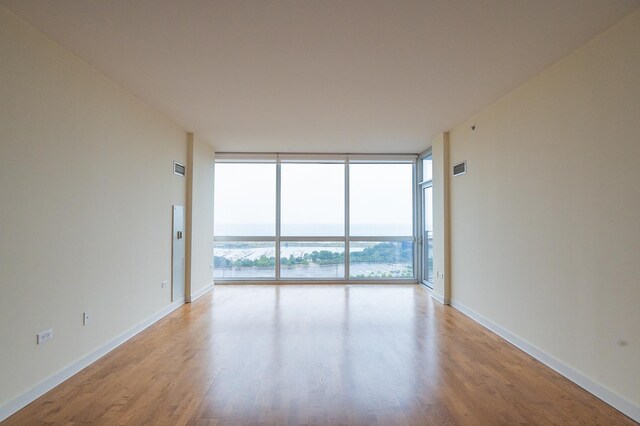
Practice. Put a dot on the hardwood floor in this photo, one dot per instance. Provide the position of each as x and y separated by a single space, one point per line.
325 355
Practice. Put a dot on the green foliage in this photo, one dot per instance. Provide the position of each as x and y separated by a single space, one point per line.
388 252
384 253
222 262
263 261
405 273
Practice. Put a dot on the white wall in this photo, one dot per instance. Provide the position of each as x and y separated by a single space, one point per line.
200 217
545 225
441 218
86 189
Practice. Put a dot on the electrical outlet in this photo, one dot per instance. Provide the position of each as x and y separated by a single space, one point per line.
85 318
44 336
163 284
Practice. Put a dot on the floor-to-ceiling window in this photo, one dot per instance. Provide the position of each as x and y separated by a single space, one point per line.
245 220
312 232
314 217
381 220
426 226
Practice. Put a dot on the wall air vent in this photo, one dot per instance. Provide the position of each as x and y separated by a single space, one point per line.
460 168
178 169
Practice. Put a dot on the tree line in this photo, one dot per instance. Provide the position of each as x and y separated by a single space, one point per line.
386 252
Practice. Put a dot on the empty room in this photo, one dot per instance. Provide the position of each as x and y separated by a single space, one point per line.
320 212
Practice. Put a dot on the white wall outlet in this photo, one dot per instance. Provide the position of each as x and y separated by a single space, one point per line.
86 318
44 336
163 284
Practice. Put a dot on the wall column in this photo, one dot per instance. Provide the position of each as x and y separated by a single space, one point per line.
441 219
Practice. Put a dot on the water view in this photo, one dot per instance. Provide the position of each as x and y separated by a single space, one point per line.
392 259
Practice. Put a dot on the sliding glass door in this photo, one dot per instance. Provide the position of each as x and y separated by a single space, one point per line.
307 217
426 225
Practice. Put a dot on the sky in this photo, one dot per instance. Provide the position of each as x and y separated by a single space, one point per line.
313 199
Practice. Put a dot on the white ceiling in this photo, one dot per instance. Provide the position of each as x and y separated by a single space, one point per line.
322 75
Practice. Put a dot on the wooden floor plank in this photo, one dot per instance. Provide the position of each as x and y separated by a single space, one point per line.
317 355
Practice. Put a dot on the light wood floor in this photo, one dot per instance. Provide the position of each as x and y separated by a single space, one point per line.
324 355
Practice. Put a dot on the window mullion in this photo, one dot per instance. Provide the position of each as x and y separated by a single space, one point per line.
416 249
346 219
278 216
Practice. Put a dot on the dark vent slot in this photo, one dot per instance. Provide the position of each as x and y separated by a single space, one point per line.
460 168
178 169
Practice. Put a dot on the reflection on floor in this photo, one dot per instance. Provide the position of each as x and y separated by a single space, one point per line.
318 354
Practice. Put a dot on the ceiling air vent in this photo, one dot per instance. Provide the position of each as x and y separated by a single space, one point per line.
460 168
178 169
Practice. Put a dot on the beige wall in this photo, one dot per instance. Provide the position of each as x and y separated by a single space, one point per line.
200 216
545 225
441 240
86 188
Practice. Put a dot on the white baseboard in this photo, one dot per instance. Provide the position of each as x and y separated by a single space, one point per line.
616 401
199 293
37 391
439 298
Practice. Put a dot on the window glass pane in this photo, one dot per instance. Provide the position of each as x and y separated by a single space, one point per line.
381 259
428 234
244 259
427 168
312 260
381 199
245 199
312 199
